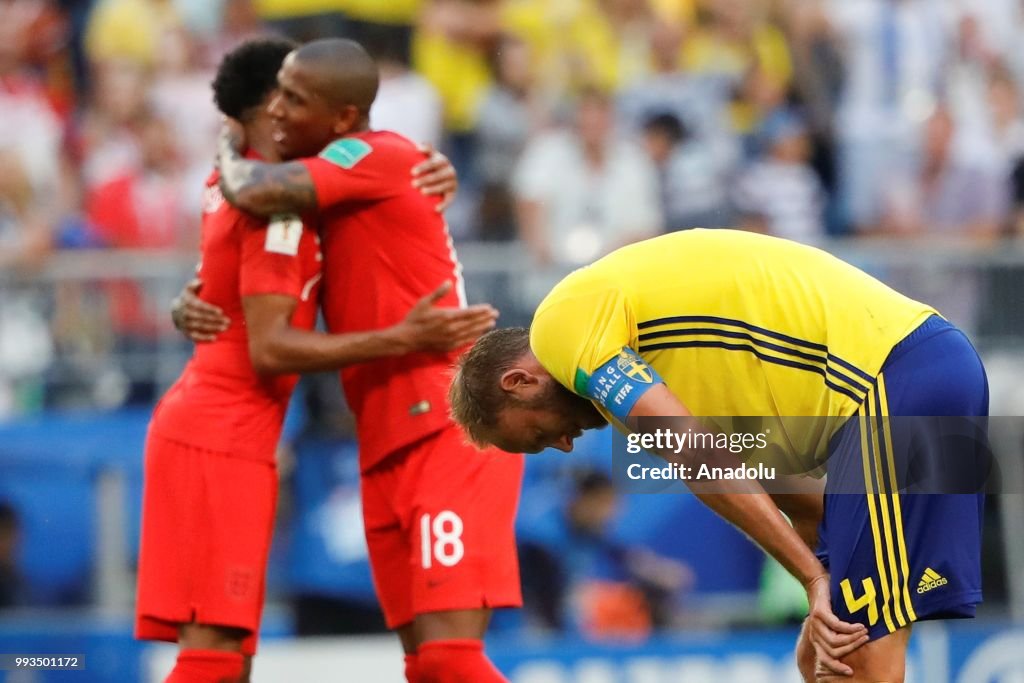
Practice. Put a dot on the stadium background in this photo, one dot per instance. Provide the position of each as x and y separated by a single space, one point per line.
890 132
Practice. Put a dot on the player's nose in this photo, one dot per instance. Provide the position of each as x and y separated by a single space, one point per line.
274 108
564 443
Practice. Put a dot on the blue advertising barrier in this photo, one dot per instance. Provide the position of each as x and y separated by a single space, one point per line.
951 652
326 550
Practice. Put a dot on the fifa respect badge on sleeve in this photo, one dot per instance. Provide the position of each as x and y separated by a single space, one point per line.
618 384
283 235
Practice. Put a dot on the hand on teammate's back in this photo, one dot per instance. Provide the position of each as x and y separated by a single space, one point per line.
831 637
193 317
436 175
428 327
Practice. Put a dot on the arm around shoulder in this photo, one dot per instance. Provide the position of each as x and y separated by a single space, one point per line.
262 188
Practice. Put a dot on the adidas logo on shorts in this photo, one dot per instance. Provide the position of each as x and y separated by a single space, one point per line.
929 580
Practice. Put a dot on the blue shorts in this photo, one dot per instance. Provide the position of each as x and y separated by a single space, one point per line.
896 557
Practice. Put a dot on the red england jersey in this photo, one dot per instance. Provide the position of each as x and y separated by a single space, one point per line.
386 247
220 403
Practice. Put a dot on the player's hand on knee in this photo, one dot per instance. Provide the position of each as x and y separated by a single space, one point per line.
429 327
831 637
196 319
436 175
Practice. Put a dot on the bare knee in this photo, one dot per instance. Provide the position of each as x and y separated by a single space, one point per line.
878 661
452 625
407 634
805 658
207 637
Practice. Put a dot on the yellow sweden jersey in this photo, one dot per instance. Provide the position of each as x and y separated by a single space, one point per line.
736 324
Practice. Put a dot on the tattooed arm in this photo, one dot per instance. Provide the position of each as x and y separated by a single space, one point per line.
258 187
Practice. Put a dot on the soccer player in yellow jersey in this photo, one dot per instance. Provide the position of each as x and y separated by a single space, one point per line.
711 323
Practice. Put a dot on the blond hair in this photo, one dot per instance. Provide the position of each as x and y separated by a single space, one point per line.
475 395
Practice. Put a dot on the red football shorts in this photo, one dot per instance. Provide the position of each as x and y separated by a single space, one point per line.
207 520
440 518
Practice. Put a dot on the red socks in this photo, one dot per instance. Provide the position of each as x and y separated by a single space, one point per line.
207 666
454 661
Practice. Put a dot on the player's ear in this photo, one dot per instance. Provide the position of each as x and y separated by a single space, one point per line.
516 381
346 120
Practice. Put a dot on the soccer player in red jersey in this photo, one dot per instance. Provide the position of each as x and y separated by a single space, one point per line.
439 515
210 482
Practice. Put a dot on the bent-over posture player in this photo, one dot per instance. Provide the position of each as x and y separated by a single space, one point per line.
712 323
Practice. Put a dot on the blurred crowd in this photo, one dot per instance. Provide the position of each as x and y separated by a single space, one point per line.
576 126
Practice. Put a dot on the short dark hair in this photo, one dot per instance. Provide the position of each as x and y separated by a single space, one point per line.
475 394
248 74
351 77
